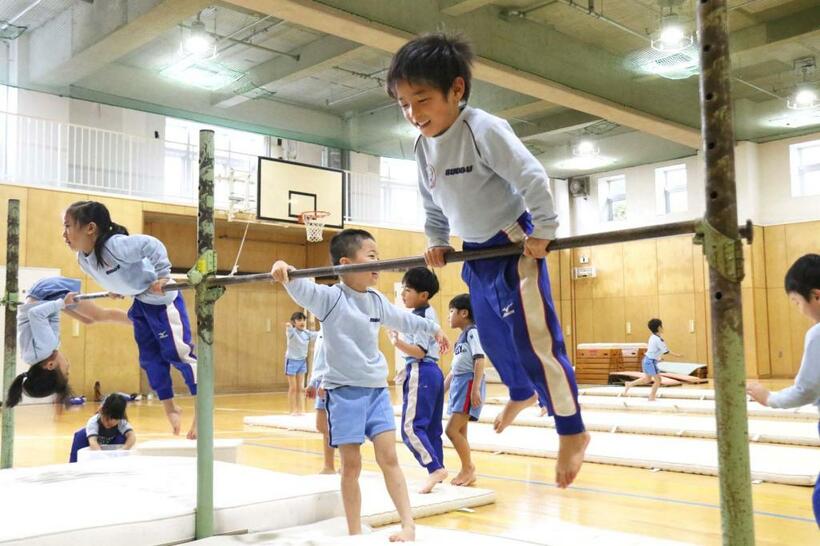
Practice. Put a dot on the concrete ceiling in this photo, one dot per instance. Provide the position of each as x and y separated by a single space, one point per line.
315 70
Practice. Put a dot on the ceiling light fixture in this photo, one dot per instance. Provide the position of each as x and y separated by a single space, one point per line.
804 96
672 34
197 42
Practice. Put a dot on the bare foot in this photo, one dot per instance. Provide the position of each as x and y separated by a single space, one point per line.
465 477
627 386
175 418
192 432
510 412
570 457
433 479
542 411
407 534
327 471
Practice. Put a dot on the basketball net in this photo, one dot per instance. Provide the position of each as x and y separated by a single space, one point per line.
314 221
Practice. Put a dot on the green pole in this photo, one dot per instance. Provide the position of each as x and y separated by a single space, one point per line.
205 299
723 250
10 352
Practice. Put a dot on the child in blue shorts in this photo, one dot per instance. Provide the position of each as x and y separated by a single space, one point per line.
803 287
109 426
355 384
466 383
656 349
478 180
299 337
315 390
423 385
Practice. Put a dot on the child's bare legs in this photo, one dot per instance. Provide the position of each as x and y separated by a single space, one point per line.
300 394
174 414
351 494
327 451
642 380
656 382
293 389
384 445
192 431
511 410
457 433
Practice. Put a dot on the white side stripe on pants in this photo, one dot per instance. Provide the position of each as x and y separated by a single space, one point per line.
410 415
177 333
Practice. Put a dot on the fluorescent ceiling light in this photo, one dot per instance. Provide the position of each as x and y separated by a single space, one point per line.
585 148
803 99
198 42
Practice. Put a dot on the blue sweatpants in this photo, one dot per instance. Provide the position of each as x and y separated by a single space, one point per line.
81 441
163 336
815 499
421 413
519 328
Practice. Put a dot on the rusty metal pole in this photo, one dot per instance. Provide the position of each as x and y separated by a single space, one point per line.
723 249
10 348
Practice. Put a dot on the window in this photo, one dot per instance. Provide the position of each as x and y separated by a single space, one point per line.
612 198
401 201
670 189
805 168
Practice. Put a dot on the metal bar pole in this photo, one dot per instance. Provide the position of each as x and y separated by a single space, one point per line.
621 236
205 328
725 273
10 350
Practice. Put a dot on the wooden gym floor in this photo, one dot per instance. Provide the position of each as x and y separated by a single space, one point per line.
668 505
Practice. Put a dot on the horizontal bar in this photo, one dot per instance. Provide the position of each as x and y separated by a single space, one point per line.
399 264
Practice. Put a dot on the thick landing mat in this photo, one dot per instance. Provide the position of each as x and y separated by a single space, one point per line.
689 455
552 532
667 405
768 431
624 376
155 501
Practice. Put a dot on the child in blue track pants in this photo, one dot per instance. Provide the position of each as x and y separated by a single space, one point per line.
138 265
423 386
478 179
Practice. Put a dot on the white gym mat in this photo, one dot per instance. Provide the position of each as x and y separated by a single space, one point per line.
643 392
552 532
754 409
791 465
770 431
151 500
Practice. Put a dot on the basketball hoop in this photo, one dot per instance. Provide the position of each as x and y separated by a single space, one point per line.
314 221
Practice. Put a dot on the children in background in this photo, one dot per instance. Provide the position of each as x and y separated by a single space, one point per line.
466 384
423 385
138 265
315 390
654 354
803 287
477 178
109 426
38 336
296 359
355 384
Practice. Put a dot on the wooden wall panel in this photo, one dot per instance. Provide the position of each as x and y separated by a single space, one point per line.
637 311
780 346
608 261
640 268
608 319
749 332
676 310
775 250
585 321
565 272
45 218
581 288
761 325
675 265
758 269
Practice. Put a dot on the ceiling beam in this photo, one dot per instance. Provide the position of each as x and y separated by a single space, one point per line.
330 20
758 43
58 58
460 7
315 57
527 110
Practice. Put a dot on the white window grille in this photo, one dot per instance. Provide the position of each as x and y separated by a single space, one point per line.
671 193
805 168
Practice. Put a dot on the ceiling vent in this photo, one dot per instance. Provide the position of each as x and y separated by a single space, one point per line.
579 186
677 65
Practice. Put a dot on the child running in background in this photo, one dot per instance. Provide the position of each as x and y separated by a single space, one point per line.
315 390
358 404
299 338
466 383
656 349
138 265
109 426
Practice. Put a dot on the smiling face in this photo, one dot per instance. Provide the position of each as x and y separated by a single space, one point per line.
79 238
428 109
366 253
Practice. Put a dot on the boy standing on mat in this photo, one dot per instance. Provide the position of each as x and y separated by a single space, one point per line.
423 386
803 287
656 348
479 180
355 384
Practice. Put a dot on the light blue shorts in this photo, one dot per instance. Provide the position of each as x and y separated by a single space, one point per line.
319 404
354 413
295 367
460 387
650 366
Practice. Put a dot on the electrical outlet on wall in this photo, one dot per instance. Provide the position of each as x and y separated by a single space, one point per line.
267 325
75 328
691 326
583 258
628 328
